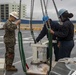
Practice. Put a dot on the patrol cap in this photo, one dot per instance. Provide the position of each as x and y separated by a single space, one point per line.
45 18
14 14
61 11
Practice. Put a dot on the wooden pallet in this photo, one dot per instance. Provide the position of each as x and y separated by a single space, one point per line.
41 69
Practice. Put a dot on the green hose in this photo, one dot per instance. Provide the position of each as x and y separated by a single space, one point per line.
21 50
50 48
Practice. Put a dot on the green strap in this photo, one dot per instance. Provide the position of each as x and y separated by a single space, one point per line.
50 48
21 50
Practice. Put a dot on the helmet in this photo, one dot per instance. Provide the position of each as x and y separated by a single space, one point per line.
61 11
14 14
45 18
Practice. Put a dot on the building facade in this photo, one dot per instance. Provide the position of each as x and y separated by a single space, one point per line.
6 8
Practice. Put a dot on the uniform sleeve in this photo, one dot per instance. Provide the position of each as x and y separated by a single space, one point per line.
55 26
63 31
42 34
11 26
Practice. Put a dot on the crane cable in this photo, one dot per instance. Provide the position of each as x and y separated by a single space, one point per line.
45 6
31 16
57 11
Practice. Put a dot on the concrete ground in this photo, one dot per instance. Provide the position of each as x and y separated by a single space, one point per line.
27 39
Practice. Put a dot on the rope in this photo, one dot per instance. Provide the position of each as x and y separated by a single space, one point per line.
31 15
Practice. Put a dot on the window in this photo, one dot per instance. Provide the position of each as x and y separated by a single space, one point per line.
23 16
13 8
2 18
7 16
2 15
2 5
6 11
2 10
12 5
6 5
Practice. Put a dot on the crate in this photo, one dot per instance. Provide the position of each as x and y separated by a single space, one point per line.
39 53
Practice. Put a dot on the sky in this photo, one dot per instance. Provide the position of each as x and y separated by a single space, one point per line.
69 5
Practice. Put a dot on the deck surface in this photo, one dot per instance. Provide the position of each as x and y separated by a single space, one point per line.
27 39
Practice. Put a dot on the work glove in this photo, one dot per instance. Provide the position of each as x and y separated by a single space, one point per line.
45 18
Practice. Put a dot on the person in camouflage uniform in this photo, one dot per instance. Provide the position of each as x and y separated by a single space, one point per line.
10 40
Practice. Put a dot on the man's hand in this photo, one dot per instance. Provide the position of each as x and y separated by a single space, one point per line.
59 44
18 22
51 31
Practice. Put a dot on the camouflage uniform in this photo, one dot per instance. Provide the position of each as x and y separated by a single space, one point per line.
10 41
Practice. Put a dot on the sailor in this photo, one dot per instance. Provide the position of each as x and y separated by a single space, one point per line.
44 31
9 39
65 34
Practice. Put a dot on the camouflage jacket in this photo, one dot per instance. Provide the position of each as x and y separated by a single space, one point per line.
9 37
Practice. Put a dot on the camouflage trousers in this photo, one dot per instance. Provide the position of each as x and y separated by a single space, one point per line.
9 55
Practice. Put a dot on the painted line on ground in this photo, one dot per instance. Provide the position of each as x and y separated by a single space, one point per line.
2 47
20 60
25 42
1 36
27 38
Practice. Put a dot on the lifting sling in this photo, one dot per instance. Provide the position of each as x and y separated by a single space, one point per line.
31 16
20 42
49 34
32 33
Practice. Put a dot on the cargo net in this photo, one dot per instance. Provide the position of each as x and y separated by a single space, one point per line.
70 63
65 66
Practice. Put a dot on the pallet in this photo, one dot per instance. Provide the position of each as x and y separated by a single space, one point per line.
41 69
